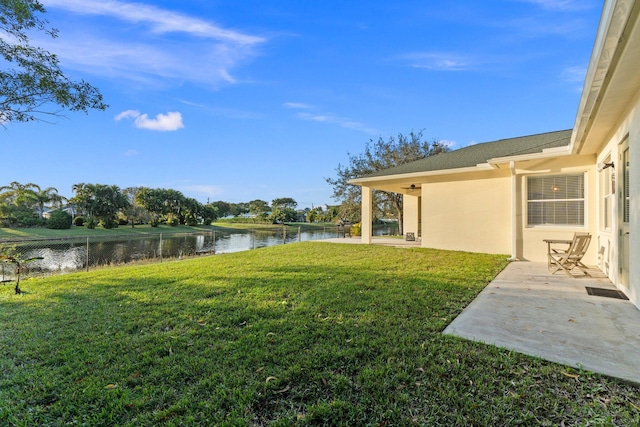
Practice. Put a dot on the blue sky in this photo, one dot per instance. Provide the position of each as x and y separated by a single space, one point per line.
238 100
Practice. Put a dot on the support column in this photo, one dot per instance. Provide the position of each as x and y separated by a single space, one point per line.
411 212
514 212
367 214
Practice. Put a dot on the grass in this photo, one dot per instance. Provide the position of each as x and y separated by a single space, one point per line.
302 334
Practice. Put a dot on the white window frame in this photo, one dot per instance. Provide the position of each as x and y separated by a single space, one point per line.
557 226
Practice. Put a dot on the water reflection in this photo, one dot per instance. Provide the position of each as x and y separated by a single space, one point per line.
67 256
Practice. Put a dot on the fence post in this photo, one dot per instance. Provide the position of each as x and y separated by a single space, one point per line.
253 239
284 234
87 254
299 235
160 249
214 241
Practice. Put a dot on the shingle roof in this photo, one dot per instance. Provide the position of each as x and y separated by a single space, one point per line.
481 153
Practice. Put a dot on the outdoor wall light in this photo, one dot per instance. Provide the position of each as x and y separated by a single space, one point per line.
602 166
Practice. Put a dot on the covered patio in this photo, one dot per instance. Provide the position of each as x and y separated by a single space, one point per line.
375 240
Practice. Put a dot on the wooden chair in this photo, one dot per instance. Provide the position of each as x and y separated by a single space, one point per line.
570 258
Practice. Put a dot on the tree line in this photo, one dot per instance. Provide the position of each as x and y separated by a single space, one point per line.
28 205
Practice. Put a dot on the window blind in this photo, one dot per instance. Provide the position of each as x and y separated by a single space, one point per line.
555 200
627 191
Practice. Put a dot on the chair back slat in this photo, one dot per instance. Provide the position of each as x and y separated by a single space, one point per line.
580 244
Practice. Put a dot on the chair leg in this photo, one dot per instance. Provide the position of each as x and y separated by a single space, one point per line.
563 269
562 265
583 268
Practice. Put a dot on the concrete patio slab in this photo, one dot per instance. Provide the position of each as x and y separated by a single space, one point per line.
528 310
384 241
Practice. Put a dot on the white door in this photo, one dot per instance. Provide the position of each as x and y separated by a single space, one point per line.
623 214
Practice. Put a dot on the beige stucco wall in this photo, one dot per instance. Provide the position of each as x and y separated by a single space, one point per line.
410 213
473 212
470 212
529 242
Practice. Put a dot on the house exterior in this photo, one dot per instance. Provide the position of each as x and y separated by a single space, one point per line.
507 196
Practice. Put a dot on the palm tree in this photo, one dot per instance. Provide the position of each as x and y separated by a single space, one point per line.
49 194
81 199
18 194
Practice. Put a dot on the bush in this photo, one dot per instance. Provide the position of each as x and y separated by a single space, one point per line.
172 220
356 229
59 220
24 217
122 221
108 223
92 223
79 221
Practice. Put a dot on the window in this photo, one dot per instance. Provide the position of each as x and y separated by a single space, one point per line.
626 205
555 200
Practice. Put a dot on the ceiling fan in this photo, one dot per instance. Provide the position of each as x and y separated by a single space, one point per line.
411 187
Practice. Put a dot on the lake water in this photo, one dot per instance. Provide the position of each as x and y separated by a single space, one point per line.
71 255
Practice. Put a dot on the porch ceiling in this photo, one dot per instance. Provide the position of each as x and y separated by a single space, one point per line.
411 187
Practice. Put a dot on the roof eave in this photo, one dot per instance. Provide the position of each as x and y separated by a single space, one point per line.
545 154
604 56
491 164
414 175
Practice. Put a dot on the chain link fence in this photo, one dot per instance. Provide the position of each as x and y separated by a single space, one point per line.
66 255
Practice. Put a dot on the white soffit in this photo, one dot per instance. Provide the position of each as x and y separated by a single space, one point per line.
613 80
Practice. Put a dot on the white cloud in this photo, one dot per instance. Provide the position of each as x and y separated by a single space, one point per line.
340 121
170 121
127 114
192 104
439 61
562 5
343 122
296 105
162 122
131 153
159 20
159 44
574 74
447 143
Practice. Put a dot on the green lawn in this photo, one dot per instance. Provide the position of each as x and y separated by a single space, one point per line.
302 334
